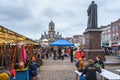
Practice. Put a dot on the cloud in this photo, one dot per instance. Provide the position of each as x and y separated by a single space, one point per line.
108 12
32 17
14 11
50 12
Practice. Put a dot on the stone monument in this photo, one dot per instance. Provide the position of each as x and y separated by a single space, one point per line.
92 16
93 34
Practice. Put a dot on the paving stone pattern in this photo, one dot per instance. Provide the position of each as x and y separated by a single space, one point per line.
57 70
62 70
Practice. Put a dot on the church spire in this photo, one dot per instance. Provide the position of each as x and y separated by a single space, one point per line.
51 23
51 26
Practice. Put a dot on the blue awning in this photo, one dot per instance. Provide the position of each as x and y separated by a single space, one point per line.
61 43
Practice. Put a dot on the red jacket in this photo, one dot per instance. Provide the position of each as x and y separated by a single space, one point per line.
78 55
68 51
82 53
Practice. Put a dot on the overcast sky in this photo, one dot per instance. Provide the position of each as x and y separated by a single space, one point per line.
31 17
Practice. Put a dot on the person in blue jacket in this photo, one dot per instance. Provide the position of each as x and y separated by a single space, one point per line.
33 68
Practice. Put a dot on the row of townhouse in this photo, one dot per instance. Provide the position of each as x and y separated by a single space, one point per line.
78 40
111 34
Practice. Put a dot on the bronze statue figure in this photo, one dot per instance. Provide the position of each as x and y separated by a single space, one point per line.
92 16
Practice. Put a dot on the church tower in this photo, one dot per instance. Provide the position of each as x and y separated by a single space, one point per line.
51 31
51 35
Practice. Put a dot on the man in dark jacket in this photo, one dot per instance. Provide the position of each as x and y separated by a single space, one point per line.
90 71
71 54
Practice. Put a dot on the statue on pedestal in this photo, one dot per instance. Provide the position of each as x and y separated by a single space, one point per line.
92 16
93 34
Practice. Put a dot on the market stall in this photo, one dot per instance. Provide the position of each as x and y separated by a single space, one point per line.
16 51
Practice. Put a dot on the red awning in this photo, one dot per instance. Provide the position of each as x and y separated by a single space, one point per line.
115 45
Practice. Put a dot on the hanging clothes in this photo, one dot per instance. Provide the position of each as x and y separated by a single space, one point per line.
24 55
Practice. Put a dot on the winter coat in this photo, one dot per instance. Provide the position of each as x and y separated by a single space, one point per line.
100 63
81 65
90 72
33 69
78 55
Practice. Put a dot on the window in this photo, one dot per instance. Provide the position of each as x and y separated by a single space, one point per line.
117 36
116 28
113 29
113 36
108 36
105 38
108 30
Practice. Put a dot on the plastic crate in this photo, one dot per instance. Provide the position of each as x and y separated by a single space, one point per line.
22 74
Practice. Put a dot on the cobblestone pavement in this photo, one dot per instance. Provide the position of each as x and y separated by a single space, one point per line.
57 70
61 70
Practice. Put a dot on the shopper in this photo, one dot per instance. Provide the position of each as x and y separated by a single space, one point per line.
81 64
90 70
99 63
33 68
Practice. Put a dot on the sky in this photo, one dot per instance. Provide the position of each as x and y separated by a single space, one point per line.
31 17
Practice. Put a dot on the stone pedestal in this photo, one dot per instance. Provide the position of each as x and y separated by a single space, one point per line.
93 43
